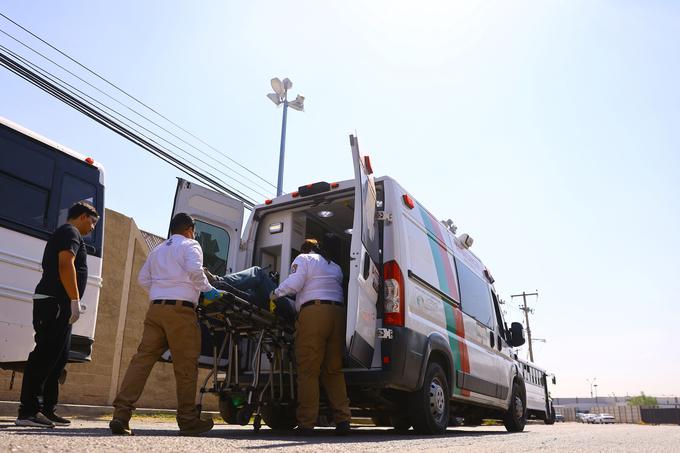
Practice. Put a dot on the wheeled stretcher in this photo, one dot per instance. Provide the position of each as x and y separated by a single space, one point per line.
252 370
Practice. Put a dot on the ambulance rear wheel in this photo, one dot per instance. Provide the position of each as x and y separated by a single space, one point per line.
430 405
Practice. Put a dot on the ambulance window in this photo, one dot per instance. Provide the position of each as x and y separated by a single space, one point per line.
215 244
475 295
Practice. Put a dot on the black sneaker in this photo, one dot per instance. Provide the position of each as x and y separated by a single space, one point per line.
120 428
57 419
342 429
37 421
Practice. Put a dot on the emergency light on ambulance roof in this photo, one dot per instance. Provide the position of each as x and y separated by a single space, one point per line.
313 189
275 228
408 201
326 214
268 201
89 160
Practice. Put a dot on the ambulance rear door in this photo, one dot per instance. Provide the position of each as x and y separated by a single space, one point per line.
364 277
219 219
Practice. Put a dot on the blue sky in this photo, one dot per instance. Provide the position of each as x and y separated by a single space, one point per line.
545 129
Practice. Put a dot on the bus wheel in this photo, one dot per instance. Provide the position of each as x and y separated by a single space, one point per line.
516 416
550 418
430 405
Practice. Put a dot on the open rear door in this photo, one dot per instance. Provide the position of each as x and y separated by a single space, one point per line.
364 278
218 229
218 224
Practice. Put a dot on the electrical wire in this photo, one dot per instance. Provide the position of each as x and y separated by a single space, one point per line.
8 62
139 114
63 85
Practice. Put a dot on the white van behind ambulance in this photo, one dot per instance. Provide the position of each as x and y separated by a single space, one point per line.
425 339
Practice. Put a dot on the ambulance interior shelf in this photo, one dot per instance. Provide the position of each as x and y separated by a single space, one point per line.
281 234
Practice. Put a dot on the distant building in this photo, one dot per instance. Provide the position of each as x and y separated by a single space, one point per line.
586 404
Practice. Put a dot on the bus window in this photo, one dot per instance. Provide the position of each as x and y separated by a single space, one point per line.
23 202
215 244
74 189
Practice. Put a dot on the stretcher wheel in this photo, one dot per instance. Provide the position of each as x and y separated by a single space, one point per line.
227 410
279 416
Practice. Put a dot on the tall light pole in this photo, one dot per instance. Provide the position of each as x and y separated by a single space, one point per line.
591 382
278 97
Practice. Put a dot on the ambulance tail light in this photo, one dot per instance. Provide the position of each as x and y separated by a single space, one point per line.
394 294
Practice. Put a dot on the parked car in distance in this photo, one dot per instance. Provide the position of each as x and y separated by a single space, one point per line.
589 418
603 419
559 418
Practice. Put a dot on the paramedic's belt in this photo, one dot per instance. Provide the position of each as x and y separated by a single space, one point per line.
184 303
322 302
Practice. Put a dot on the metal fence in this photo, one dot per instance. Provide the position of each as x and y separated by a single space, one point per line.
660 415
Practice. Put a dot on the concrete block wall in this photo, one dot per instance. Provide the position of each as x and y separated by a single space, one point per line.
120 316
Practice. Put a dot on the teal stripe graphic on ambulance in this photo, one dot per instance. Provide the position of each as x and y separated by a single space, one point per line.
443 262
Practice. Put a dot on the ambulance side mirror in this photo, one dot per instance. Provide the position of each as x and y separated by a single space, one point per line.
516 335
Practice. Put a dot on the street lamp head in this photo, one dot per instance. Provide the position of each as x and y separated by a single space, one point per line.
278 86
298 104
287 84
275 98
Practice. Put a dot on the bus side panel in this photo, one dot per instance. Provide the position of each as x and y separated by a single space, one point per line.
20 269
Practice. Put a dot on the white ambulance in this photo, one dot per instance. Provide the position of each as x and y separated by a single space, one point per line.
425 341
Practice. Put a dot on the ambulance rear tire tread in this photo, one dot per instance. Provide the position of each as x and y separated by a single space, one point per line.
429 406
516 417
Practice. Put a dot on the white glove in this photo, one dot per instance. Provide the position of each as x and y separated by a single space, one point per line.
75 311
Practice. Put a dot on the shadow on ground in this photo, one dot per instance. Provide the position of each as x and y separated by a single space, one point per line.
321 436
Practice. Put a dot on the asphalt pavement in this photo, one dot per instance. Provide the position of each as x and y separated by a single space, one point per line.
161 436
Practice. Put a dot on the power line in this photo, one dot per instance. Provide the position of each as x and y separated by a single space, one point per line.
105 120
56 80
139 114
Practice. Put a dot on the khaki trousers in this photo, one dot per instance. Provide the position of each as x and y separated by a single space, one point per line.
165 326
319 341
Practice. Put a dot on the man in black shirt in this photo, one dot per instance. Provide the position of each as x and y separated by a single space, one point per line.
56 306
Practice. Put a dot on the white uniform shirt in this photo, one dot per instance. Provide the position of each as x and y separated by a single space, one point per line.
312 277
174 270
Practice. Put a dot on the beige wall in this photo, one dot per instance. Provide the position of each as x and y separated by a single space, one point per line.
122 307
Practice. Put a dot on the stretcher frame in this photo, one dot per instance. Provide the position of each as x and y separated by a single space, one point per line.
262 335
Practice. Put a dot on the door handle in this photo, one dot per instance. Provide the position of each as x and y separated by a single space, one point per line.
492 337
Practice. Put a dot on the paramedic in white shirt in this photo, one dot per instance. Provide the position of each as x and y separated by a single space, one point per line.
173 276
319 335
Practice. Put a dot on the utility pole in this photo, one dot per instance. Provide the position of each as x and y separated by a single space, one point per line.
526 311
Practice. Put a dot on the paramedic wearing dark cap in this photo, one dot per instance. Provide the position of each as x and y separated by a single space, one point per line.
319 335
173 275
